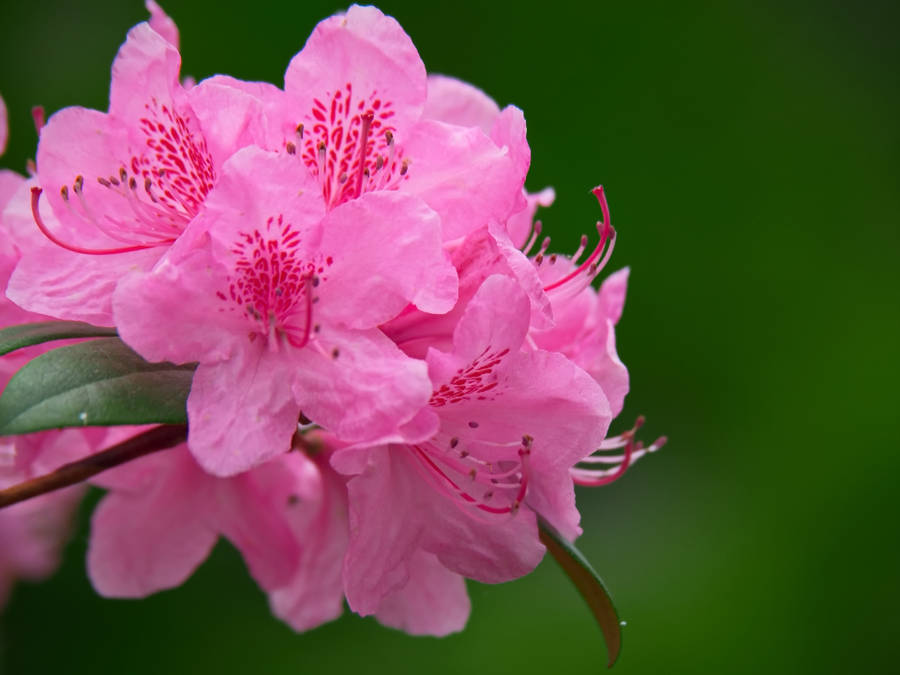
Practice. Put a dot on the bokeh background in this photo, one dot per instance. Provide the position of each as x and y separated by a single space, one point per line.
750 152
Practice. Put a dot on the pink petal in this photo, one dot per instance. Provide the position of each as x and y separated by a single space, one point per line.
387 252
315 594
241 412
53 281
10 183
523 270
519 224
234 114
612 294
433 602
366 49
366 392
538 394
497 318
457 102
147 67
463 175
484 252
394 512
80 142
162 23
33 534
509 132
153 540
173 314
585 332
252 512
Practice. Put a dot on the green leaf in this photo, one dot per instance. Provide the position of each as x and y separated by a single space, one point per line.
27 334
97 383
588 583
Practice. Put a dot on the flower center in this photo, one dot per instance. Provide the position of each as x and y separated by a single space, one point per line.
176 168
472 471
348 144
473 381
273 284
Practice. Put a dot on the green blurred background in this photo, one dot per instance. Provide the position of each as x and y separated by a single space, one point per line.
750 152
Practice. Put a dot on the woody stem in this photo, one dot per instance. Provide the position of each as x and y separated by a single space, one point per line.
153 440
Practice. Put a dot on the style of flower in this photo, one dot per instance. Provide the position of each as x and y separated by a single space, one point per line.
279 300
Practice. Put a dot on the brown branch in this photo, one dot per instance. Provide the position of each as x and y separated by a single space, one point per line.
153 440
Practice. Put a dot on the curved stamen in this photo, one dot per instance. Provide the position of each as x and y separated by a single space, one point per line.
450 486
607 233
596 479
591 477
35 212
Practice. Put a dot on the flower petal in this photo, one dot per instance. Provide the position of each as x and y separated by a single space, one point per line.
234 114
387 253
318 519
241 412
457 102
463 175
433 602
365 389
162 23
394 512
366 49
252 510
172 539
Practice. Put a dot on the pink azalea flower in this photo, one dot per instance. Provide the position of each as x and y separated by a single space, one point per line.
279 300
512 423
120 187
356 94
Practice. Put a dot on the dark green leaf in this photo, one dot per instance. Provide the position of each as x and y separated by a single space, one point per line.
27 334
96 383
588 583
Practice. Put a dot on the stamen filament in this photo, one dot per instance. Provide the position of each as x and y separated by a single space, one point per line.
606 234
35 211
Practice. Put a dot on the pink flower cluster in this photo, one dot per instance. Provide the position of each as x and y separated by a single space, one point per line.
395 378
